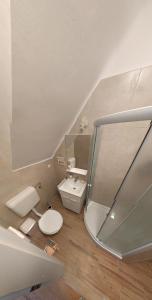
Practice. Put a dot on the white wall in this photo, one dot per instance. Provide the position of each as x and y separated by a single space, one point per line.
135 49
24 265
13 182
60 49
5 80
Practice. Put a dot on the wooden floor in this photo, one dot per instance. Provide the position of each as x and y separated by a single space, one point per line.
55 291
90 270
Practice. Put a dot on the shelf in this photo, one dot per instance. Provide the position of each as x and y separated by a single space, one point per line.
77 171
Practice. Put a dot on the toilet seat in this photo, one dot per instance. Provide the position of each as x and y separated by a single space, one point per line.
50 222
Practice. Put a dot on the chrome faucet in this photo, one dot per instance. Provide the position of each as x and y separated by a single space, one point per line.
76 178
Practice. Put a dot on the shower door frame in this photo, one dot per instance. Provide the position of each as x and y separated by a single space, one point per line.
134 115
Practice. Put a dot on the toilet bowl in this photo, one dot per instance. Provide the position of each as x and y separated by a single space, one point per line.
49 223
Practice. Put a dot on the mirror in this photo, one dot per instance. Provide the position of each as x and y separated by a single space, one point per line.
78 146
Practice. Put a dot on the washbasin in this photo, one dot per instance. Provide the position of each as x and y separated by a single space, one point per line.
71 186
72 193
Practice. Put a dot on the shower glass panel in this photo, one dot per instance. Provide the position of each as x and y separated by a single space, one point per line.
128 224
116 146
135 230
119 186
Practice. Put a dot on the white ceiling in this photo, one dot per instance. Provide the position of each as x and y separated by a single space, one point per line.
60 49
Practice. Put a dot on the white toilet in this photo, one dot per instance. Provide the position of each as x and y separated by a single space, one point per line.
49 223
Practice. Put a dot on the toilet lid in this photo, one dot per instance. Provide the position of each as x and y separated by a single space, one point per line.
50 222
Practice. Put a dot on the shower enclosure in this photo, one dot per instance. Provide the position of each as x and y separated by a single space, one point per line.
118 212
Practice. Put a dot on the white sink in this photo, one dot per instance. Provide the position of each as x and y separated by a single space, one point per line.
72 193
73 187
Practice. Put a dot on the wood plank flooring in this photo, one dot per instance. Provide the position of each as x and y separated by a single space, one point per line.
55 291
90 270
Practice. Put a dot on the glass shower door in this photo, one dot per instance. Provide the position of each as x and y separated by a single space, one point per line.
129 222
135 230
119 199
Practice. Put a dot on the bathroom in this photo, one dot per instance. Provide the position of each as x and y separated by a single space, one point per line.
52 91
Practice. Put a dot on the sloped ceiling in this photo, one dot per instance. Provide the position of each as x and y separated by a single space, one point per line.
60 49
